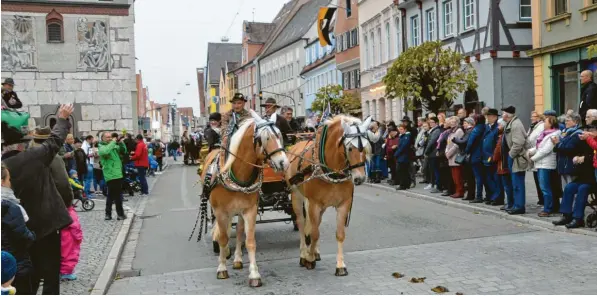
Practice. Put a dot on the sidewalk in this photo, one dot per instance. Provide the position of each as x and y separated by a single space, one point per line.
530 217
99 237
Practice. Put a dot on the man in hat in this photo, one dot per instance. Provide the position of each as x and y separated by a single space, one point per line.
490 137
413 136
212 132
232 118
515 148
270 108
33 184
9 97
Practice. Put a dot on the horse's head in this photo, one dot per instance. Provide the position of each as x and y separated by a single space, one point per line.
268 142
356 146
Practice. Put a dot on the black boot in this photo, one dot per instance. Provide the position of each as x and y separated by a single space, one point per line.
566 218
576 223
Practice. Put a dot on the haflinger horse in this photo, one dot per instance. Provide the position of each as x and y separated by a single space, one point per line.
323 174
236 180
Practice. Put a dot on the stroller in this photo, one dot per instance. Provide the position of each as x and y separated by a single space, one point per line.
86 203
131 182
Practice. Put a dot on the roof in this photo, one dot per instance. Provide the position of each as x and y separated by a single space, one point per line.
217 55
298 26
258 32
284 11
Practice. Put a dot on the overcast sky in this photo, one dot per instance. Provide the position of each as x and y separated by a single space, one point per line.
171 40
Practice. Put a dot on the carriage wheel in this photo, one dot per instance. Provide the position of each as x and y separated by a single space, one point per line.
591 220
216 247
88 204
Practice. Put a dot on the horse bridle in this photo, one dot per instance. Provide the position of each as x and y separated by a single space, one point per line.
360 146
257 138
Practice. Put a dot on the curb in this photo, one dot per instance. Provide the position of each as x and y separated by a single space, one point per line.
497 213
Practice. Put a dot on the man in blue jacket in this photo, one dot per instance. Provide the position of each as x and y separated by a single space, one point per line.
402 155
473 148
489 165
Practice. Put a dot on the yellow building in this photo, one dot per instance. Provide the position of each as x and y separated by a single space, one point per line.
562 31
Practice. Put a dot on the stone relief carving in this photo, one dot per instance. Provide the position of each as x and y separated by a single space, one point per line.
18 43
93 43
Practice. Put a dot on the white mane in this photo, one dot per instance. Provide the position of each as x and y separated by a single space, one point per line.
235 141
345 118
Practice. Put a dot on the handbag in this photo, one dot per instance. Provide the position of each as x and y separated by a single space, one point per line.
462 158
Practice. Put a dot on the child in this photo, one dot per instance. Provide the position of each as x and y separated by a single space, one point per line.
71 238
74 181
16 237
9 269
153 164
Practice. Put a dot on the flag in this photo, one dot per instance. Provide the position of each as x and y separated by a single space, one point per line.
324 21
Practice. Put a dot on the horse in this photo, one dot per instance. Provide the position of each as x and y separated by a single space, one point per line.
333 164
236 182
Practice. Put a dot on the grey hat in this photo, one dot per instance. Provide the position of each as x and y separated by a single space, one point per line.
470 120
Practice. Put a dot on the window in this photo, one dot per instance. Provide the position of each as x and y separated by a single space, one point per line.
341 38
469 14
366 65
54 27
357 79
430 25
414 30
525 10
448 19
348 8
561 6
355 37
348 44
380 45
373 50
313 54
308 57
397 43
388 43
347 80
351 75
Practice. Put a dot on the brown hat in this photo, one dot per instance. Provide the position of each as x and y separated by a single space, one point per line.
270 102
41 133
237 97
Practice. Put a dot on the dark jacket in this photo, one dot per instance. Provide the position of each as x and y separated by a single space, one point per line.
588 99
16 237
474 143
570 145
404 151
377 147
81 162
584 172
60 178
11 99
69 163
212 138
284 128
431 149
490 138
174 145
33 184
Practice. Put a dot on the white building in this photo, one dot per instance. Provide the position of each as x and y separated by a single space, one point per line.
79 52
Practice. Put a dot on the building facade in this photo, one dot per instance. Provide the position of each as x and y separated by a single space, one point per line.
73 52
319 71
562 31
347 48
217 56
492 35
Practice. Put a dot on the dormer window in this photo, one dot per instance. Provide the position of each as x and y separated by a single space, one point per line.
54 27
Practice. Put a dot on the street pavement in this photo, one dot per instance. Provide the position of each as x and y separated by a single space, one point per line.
461 250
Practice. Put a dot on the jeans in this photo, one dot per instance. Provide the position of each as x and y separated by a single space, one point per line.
376 163
173 154
582 192
508 190
518 187
88 179
478 169
434 167
544 176
491 181
538 186
142 174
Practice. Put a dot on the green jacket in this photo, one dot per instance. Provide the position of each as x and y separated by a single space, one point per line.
110 159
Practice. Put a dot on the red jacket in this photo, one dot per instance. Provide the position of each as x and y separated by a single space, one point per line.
593 144
140 157
389 143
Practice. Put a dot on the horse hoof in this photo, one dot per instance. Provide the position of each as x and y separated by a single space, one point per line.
237 265
222 275
341 271
317 257
302 262
255 283
310 265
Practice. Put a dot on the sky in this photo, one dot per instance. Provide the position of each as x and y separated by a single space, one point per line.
171 39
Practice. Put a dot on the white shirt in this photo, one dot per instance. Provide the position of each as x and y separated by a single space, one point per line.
88 151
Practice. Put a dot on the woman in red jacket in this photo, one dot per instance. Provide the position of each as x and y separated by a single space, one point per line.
141 163
390 148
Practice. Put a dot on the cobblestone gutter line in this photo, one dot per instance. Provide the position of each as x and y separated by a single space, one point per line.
479 209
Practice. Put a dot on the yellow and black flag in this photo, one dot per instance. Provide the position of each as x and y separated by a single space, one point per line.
324 21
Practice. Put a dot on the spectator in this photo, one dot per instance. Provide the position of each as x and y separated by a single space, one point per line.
444 168
518 160
212 132
535 129
431 154
81 162
16 237
451 151
390 146
91 154
159 153
544 159
43 203
377 150
488 148
461 115
9 96
71 239
173 148
588 96
474 148
421 143
413 135
567 147
504 177
403 157
9 269
109 152
68 155
140 156
98 176
467 169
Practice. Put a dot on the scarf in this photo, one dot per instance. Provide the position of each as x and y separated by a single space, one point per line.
9 195
543 135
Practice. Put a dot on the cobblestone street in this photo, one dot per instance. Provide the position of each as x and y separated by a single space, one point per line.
461 250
